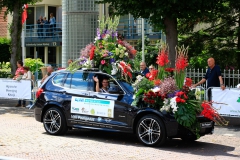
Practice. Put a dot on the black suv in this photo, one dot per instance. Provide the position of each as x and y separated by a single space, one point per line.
69 100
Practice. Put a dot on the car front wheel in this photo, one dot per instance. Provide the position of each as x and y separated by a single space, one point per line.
151 131
54 121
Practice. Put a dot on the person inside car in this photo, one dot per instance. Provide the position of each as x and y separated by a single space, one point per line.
104 85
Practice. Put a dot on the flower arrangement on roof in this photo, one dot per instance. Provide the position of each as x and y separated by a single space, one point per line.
109 52
171 92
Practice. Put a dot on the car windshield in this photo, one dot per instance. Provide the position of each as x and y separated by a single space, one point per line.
127 86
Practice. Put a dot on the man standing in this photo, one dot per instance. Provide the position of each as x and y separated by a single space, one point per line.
143 68
49 71
213 77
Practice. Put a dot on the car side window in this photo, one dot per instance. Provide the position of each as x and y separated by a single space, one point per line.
58 79
67 82
82 81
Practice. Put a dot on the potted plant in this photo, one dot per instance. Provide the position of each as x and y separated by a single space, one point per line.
34 64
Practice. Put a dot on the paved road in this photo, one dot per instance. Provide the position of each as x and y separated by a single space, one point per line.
23 137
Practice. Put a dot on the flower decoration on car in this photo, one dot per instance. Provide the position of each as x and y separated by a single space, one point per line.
108 53
171 92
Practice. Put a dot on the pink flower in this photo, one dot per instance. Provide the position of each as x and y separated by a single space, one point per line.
103 62
105 55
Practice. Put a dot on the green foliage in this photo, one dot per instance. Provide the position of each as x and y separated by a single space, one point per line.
4 52
5 69
33 64
217 36
186 115
150 53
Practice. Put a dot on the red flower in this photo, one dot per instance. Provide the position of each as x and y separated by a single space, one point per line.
181 63
179 94
157 82
188 82
162 59
92 52
169 69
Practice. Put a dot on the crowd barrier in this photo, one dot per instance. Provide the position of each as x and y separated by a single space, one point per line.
17 90
226 102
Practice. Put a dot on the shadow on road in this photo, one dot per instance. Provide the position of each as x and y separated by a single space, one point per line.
25 112
172 145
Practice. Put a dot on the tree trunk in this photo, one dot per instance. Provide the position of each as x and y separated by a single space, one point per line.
238 43
15 30
171 38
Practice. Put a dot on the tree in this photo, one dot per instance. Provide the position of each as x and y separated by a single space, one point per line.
165 14
219 38
14 7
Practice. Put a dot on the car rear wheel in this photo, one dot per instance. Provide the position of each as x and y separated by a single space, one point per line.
54 121
151 131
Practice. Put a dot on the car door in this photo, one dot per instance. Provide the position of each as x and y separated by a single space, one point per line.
113 114
78 85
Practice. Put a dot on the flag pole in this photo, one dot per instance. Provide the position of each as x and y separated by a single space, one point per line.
23 42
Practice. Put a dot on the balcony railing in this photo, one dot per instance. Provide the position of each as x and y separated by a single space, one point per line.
46 32
132 29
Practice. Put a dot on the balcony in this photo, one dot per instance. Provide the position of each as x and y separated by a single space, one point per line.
44 36
132 29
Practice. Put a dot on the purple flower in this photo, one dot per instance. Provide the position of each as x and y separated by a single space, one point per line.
110 53
112 60
98 34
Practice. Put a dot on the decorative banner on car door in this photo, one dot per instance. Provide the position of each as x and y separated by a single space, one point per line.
92 106
230 99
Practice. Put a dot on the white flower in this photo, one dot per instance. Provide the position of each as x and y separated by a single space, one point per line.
114 70
124 48
238 86
122 51
119 46
126 54
173 104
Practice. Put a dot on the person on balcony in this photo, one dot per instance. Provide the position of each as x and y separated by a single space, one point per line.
52 22
40 27
45 27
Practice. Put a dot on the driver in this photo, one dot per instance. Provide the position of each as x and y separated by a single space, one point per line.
104 84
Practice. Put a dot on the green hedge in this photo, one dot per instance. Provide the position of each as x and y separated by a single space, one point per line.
5 54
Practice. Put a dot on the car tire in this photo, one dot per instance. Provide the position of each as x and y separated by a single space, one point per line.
54 122
151 131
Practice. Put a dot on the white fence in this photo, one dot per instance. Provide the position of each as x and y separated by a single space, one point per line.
231 78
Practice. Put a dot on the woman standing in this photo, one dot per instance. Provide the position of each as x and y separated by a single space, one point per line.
52 22
27 75
19 72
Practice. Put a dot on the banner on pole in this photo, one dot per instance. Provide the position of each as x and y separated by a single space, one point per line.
229 100
12 89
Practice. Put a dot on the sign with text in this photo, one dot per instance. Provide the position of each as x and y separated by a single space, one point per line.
92 106
229 101
42 44
12 89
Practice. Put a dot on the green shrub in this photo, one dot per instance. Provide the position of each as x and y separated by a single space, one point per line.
33 64
5 70
5 54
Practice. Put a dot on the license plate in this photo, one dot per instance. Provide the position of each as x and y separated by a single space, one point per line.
206 124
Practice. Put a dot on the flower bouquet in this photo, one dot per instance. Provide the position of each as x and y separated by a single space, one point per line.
171 92
108 53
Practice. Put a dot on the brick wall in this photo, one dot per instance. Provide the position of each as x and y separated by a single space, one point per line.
3 24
